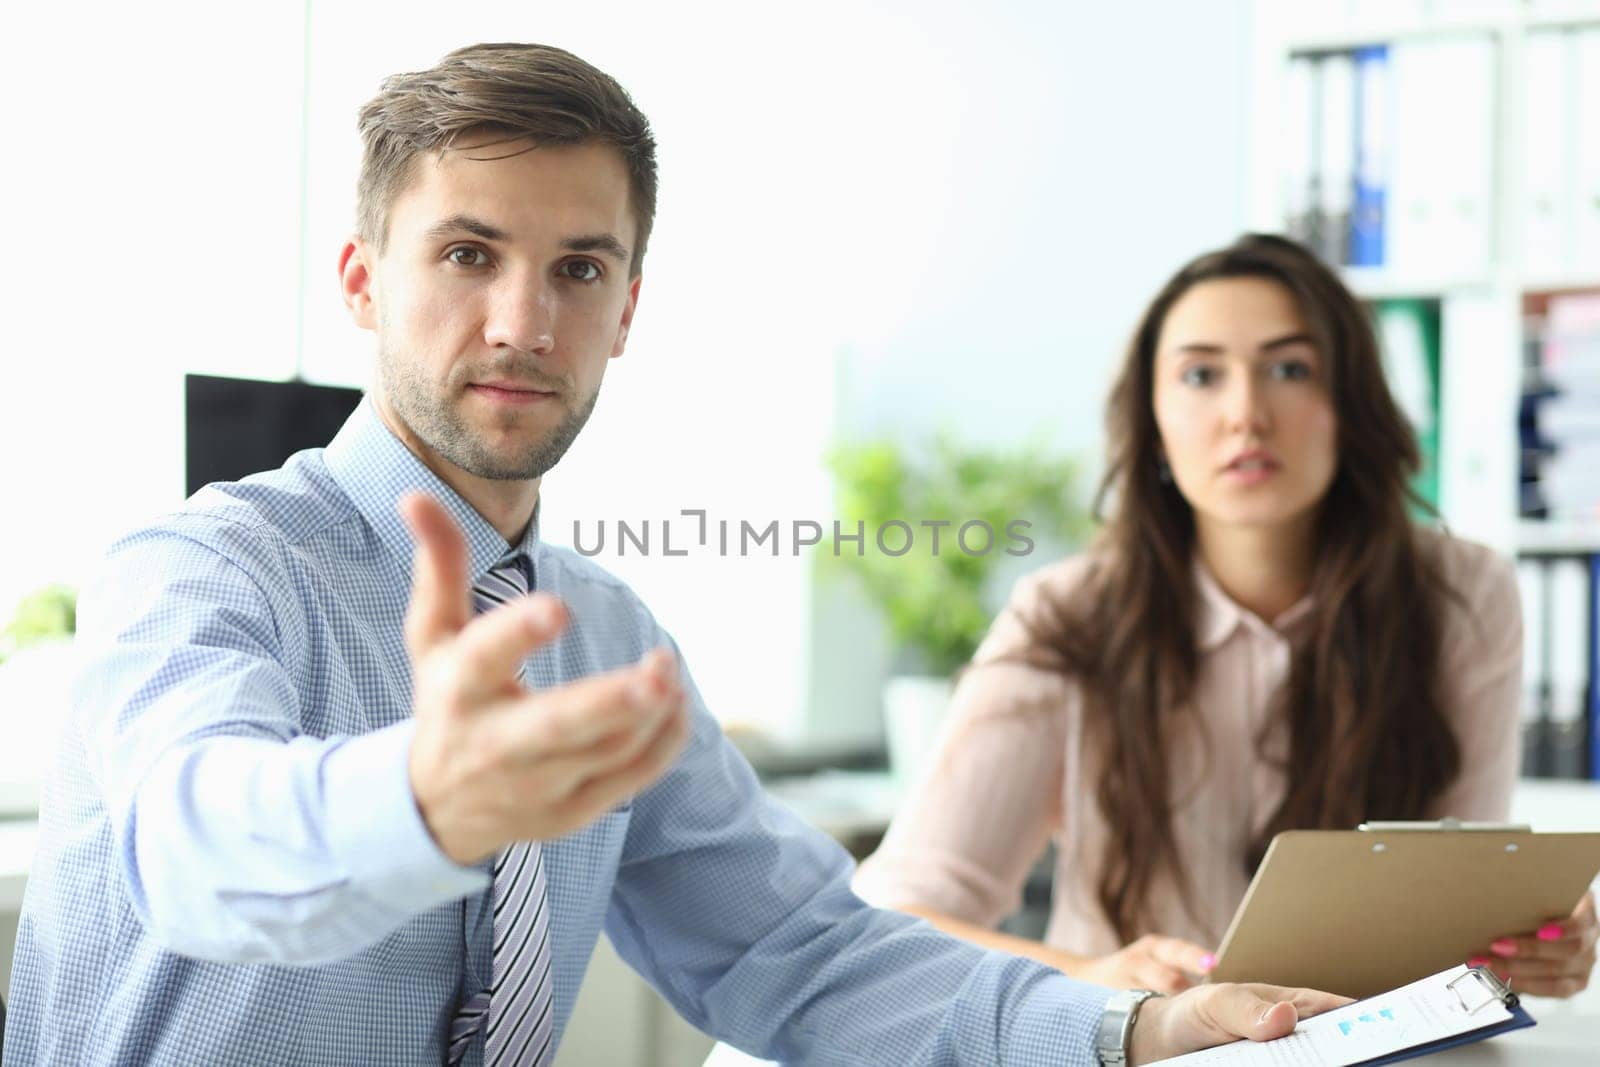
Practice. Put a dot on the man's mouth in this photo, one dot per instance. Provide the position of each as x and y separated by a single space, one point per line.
510 392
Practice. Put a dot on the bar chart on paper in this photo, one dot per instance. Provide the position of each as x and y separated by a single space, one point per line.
1356 1027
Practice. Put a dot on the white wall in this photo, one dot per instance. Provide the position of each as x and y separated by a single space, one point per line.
152 222
963 207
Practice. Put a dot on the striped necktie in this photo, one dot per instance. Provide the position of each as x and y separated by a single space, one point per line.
514 1012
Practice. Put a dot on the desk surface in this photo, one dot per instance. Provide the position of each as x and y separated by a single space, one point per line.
1567 1034
1566 1039
1561 1039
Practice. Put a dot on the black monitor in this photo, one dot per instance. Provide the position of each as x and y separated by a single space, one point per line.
238 426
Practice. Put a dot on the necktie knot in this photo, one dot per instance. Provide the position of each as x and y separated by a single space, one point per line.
504 582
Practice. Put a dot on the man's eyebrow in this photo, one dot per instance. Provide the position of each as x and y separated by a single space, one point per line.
604 243
465 224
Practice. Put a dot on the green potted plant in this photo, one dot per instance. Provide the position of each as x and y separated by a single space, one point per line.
942 522
51 614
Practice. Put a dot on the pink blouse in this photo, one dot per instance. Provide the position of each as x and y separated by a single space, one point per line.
1012 771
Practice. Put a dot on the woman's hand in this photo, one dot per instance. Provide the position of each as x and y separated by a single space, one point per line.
1164 964
1554 962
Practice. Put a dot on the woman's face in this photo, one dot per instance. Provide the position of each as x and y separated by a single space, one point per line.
1242 405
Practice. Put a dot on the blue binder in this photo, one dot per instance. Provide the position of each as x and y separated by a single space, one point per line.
1594 667
1368 213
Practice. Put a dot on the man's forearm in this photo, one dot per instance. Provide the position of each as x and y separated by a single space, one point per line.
250 850
984 937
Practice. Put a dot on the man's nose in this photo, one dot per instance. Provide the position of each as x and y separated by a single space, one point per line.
523 317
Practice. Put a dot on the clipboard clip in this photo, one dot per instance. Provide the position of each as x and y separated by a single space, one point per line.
1447 823
1488 986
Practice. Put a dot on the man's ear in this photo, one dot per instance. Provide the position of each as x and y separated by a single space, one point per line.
627 317
356 262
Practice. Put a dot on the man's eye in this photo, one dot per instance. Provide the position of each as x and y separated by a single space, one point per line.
1199 375
581 270
455 255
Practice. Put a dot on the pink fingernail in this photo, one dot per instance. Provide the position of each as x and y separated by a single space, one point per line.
1207 962
1503 947
1478 961
1549 933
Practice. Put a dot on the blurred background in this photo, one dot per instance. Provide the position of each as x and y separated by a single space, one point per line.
899 249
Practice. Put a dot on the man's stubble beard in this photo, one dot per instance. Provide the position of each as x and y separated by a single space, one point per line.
440 425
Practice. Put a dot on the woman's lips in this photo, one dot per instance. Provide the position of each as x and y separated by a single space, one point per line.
1251 471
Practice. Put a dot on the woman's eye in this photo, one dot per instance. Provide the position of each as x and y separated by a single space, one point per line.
1199 375
455 255
581 270
1292 370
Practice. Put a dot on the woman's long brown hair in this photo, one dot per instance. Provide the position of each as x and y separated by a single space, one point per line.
1368 736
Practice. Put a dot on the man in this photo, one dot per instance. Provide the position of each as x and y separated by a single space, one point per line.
301 819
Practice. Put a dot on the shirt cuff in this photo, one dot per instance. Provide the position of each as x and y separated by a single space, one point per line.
376 832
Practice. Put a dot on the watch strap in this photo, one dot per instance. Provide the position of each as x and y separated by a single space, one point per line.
1116 1025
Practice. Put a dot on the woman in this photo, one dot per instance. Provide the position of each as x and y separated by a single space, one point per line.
1260 640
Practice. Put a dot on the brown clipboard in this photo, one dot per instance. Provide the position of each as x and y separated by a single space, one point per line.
1359 912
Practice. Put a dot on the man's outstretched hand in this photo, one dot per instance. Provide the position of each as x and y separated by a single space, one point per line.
493 762
1214 1014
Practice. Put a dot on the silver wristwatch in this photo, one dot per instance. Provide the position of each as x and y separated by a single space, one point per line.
1116 1025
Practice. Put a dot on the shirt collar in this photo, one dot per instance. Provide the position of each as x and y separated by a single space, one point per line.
1219 615
375 469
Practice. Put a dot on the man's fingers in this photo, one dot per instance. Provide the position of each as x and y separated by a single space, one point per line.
615 753
1276 1020
1256 1012
568 720
1307 1002
574 717
1263 1012
441 603
598 794
490 651
561 775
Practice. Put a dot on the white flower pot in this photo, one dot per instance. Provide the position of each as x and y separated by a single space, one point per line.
913 718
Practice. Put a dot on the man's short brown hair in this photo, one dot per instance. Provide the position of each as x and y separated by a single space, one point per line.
516 91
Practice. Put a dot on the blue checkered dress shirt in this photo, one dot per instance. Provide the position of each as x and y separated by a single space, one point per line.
232 870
